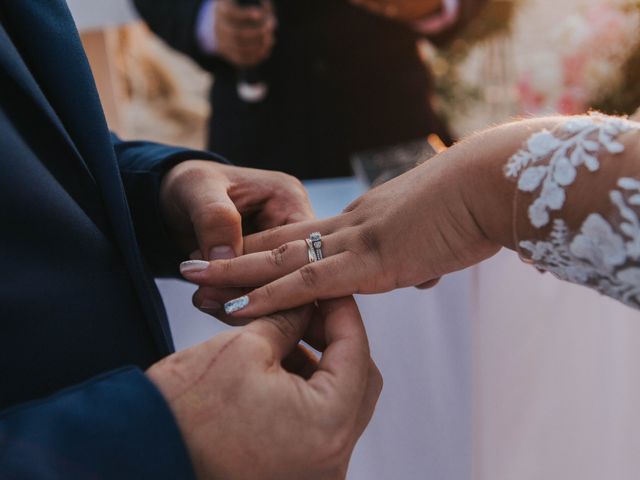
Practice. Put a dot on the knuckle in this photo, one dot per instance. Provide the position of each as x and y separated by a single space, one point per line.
367 239
277 256
285 324
220 213
353 205
309 275
270 237
267 292
226 267
302 192
288 179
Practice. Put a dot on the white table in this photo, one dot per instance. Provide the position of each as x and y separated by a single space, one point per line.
499 373
556 380
98 14
421 342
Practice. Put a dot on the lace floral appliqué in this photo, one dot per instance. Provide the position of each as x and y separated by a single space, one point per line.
602 255
579 142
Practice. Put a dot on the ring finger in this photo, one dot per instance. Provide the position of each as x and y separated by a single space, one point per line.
257 269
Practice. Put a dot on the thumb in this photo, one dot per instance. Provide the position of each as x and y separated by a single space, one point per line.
217 225
283 330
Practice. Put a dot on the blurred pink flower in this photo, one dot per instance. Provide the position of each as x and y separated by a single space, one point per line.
610 26
572 102
604 17
531 101
591 47
574 66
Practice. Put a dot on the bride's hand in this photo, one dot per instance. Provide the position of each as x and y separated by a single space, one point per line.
407 232
403 10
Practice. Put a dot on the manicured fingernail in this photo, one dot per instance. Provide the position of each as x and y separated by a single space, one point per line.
193 266
221 253
236 305
210 305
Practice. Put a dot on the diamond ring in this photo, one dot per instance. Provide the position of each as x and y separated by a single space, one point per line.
316 242
311 251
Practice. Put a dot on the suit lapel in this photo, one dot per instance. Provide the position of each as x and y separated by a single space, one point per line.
14 67
48 40
48 43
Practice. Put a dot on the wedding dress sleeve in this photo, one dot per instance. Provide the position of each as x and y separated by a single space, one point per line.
577 203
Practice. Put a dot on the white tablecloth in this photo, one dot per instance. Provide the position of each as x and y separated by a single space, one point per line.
556 378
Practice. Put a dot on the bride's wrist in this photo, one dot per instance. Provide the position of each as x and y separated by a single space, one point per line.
488 194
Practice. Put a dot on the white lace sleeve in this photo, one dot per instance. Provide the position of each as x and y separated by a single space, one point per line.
582 224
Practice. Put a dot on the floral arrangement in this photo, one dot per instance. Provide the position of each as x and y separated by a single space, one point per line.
453 92
540 57
582 61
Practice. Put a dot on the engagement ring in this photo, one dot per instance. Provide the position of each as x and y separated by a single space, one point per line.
315 240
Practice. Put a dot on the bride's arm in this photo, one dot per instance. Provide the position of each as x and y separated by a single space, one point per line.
576 208
524 175
532 185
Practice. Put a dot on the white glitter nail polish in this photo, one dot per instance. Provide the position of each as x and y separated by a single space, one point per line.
236 305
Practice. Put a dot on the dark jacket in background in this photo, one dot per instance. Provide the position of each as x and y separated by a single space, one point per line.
341 81
80 316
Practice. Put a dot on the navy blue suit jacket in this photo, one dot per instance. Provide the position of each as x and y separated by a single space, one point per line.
80 316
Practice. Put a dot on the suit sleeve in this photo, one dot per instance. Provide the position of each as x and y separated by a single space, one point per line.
142 166
117 425
175 21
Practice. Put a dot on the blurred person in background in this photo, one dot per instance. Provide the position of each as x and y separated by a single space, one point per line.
344 77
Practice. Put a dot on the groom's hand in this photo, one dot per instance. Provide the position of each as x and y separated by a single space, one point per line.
208 206
252 404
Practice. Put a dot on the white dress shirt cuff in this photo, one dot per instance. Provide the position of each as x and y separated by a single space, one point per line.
205 24
441 21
